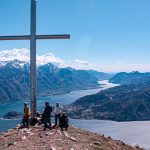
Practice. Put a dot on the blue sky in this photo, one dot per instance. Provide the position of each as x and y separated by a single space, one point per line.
106 35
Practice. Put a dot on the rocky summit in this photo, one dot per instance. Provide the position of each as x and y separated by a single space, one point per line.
35 138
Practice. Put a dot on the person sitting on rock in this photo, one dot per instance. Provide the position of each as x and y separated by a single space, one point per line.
47 116
63 121
25 120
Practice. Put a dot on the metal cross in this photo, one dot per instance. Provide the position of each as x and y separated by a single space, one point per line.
33 37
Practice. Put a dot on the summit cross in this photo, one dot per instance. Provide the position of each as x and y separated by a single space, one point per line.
33 37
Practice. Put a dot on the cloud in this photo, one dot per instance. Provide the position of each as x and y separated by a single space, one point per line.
49 57
82 62
24 55
122 67
19 54
118 66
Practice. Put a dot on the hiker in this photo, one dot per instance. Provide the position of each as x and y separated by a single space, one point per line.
25 120
63 121
47 116
57 111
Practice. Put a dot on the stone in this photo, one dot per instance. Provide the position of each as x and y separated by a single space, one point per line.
48 133
97 143
52 148
23 138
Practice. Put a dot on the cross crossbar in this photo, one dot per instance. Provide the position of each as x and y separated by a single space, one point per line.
21 37
63 36
28 37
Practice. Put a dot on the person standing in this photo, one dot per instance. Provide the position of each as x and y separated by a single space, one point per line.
57 110
47 116
25 120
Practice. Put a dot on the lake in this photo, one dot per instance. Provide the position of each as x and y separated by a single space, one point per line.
135 132
62 99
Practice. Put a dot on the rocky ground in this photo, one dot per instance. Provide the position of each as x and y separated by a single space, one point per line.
73 139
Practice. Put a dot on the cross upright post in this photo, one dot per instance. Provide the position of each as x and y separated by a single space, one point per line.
33 59
33 37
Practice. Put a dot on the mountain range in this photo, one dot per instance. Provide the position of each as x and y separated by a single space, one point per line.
127 102
130 78
14 80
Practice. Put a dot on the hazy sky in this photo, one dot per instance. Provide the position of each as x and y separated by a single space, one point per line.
107 35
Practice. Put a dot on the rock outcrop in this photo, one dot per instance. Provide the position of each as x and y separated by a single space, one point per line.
12 115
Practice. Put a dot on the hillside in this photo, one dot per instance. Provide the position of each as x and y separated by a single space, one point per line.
73 139
14 80
130 78
100 75
121 103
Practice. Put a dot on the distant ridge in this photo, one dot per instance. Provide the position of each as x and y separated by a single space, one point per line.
130 78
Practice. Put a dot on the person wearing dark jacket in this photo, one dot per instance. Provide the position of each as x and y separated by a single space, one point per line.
63 121
47 116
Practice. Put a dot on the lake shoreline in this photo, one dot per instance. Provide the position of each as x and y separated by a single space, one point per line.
59 93
102 86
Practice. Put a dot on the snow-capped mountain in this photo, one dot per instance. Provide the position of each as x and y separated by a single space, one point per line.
14 64
52 77
14 80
